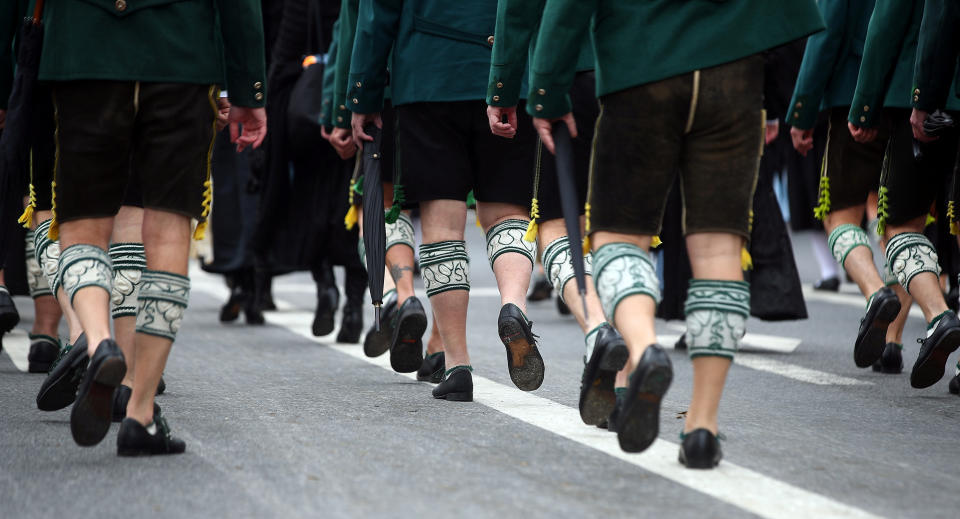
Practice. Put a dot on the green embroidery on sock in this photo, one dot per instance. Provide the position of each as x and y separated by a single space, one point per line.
620 391
933 323
455 369
434 355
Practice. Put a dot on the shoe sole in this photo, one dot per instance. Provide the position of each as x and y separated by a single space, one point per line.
92 413
929 371
456 397
523 359
406 348
434 378
697 465
639 424
39 367
869 348
597 399
62 391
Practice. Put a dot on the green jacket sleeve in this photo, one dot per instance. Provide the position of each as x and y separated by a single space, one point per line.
329 76
889 26
241 25
348 31
377 25
517 22
937 51
564 26
819 60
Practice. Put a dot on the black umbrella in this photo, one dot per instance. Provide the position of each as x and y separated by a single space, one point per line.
15 142
569 203
374 233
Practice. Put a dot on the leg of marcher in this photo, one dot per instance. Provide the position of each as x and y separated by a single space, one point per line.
445 268
44 334
913 260
86 275
512 259
851 248
129 261
163 297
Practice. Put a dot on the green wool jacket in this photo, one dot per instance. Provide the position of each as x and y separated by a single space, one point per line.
937 52
831 62
640 42
441 52
514 38
889 57
329 76
173 41
11 14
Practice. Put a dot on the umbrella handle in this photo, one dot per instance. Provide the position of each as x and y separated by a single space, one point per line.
376 316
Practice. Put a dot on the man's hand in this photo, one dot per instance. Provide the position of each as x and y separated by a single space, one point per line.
916 120
223 113
3 118
248 126
342 141
862 135
802 140
324 133
495 116
545 129
358 121
772 131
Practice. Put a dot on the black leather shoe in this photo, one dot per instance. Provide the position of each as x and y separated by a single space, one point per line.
351 325
231 309
377 343
597 399
161 386
59 389
406 345
432 368
9 317
562 307
523 359
639 421
934 350
681 344
700 450
121 397
954 386
872 337
542 289
457 385
93 410
327 301
891 361
253 314
830 284
43 352
614 417
134 439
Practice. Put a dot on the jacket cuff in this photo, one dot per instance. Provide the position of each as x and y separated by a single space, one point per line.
248 92
803 113
548 101
927 99
326 113
341 116
504 86
863 111
364 94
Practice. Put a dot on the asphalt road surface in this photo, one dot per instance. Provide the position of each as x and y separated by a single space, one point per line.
281 424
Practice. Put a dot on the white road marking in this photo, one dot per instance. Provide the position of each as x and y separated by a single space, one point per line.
757 341
287 288
761 362
16 344
731 483
855 300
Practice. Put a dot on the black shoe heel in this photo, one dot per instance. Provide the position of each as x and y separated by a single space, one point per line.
639 421
524 362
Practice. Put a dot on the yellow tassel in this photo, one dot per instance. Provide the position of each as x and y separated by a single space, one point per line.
54 232
26 217
655 242
746 261
586 245
586 229
955 228
200 231
532 229
350 220
930 220
478 221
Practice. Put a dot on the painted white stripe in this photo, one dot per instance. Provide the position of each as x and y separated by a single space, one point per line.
16 344
855 300
757 341
730 483
761 362
286 288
